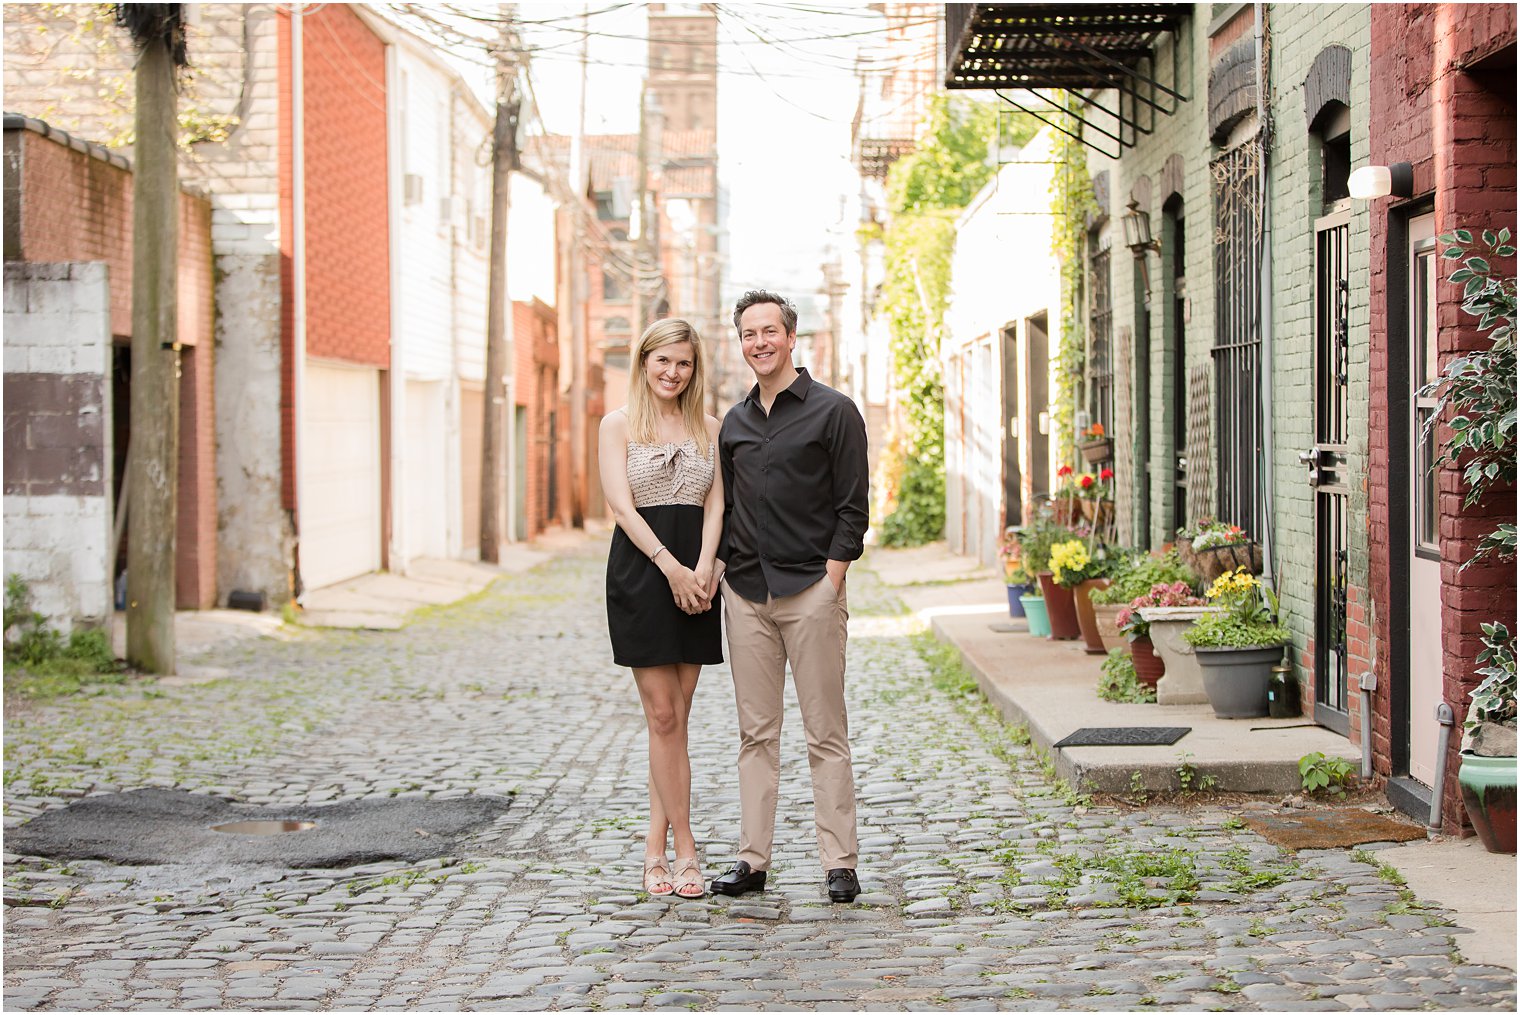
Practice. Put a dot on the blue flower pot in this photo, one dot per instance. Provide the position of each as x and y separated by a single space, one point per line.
1016 608
1039 620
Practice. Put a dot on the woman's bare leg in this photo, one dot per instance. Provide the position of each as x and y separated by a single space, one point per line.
666 693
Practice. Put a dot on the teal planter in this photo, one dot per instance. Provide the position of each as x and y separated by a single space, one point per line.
1034 610
1488 793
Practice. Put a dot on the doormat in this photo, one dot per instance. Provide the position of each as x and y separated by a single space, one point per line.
1125 736
164 826
1331 828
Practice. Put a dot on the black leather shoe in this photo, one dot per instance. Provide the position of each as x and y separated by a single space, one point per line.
739 879
843 885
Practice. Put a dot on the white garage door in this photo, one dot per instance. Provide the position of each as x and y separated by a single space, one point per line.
339 496
425 493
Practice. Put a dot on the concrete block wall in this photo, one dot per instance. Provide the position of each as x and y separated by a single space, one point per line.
58 506
1296 197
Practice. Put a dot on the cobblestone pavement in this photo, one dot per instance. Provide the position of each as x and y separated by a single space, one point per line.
987 886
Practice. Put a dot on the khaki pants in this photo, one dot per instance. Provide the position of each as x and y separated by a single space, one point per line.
809 630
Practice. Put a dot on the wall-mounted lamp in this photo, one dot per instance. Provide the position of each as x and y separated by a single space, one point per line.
1137 230
1369 182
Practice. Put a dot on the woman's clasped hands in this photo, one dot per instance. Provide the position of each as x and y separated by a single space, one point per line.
690 590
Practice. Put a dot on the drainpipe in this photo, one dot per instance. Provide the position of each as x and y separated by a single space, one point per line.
1367 684
1264 298
298 256
1447 719
394 183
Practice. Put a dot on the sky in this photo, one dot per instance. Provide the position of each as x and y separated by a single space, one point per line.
786 96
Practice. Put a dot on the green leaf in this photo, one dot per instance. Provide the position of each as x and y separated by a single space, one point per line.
1477 264
1463 236
1488 238
1460 275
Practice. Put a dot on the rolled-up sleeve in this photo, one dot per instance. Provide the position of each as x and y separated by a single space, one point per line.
851 481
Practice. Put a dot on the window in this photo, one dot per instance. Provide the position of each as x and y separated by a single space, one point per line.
1237 336
1100 332
1423 370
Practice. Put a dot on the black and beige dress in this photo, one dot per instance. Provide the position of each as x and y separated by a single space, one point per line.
669 484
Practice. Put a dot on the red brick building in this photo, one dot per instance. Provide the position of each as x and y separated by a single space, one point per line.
1443 101
544 444
71 201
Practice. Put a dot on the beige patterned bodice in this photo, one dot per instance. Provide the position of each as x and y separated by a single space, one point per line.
669 473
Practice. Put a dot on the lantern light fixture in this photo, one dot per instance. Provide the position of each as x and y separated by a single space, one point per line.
1369 182
1137 230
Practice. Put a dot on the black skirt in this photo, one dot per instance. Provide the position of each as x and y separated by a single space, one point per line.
646 625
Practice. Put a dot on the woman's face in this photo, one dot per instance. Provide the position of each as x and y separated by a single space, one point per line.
668 370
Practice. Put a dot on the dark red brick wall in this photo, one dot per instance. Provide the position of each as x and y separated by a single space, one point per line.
78 208
1458 131
347 229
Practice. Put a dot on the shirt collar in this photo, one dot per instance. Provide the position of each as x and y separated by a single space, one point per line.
799 388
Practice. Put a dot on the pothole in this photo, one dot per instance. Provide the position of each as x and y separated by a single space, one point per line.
161 826
263 827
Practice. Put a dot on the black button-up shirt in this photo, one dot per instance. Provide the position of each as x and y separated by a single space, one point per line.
795 488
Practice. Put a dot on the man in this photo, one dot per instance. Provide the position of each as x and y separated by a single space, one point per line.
793 454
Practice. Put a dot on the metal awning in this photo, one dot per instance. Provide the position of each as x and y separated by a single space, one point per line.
1022 48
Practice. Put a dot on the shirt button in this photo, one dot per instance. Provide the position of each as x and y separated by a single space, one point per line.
767 440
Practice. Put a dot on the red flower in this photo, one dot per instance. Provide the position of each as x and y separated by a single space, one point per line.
1106 475
1064 471
1087 481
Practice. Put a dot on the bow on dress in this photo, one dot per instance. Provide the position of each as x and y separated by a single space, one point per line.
672 456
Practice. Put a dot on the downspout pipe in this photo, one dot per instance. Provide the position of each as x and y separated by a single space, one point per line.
396 376
1264 306
1367 684
1447 718
298 259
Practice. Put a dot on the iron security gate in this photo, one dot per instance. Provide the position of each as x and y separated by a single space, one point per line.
1326 461
1237 335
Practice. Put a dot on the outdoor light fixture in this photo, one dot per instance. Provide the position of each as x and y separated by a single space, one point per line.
1369 182
1137 230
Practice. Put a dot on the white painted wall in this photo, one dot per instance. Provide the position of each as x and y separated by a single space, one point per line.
58 322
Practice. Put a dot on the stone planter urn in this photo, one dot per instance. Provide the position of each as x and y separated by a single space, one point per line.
1107 616
1183 682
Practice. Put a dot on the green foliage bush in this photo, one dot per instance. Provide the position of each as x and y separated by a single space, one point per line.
1119 681
1221 630
1317 772
32 646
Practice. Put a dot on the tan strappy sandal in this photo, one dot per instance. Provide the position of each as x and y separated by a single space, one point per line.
688 878
657 880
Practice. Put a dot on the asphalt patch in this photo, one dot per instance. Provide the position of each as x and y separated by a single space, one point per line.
1331 828
164 826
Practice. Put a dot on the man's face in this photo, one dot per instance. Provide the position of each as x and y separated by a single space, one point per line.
766 343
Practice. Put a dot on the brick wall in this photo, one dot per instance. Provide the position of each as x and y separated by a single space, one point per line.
1458 131
75 205
537 370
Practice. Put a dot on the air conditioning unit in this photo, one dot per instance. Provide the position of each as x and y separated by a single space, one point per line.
411 188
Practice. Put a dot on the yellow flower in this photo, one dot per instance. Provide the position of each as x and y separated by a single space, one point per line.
1070 555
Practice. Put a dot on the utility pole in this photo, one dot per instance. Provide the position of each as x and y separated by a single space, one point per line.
640 218
153 463
493 478
579 484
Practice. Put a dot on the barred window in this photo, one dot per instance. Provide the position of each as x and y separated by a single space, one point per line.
1100 335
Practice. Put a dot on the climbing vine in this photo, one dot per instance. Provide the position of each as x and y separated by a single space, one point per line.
926 190
1071 204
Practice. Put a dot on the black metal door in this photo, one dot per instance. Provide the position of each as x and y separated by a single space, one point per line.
1326 461
1013 481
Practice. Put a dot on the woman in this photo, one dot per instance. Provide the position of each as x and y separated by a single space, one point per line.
660 478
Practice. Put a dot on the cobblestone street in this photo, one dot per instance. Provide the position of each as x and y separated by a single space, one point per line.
987 886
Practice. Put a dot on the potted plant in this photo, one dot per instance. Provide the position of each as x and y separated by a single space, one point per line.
1015 577
1066 500
1213 548
1238 646
1055 602
1034 611
1081 570
1149 666
1487 775
1478 436
1097 497
1096 445
1134 573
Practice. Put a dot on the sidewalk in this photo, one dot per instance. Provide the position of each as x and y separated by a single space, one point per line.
1051 687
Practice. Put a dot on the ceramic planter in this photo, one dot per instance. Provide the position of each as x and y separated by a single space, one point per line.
1236 679
1061 608
1086 621
1183 682
1015 592
1099 450
1099 512
1067 510
1034 609
1149 668
1107 616
1488 793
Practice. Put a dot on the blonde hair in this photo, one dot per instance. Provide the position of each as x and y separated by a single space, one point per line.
643 424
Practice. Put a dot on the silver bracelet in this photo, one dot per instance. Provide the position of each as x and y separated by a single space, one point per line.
657 552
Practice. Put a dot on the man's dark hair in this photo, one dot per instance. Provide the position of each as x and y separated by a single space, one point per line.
754 296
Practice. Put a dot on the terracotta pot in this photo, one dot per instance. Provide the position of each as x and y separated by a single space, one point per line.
1107 615
1061 607
1099 450
1149 668
1066 510
1086 621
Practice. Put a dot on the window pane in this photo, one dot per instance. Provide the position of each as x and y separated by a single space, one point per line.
1425 482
